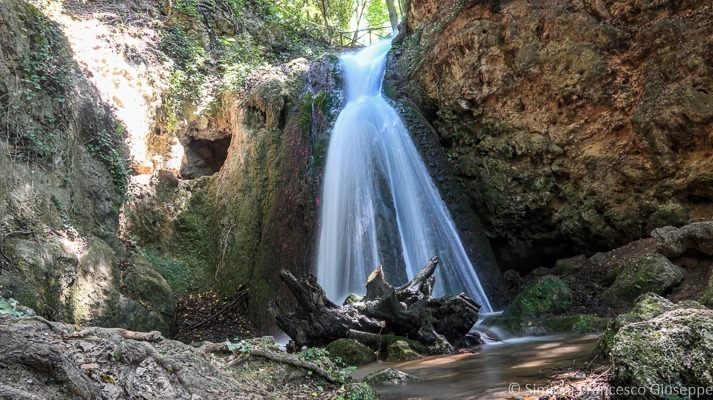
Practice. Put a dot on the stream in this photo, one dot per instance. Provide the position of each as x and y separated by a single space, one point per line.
506 370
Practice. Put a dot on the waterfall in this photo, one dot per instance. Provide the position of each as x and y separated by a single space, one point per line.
379 204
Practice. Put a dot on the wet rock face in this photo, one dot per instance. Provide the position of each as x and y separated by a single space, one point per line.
571 126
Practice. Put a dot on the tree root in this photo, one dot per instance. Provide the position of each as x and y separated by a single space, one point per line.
283 358
409 311
153 336
8 393
46 358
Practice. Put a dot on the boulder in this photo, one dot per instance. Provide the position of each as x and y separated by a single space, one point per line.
650 273
350 352
546 295
673 242
568 265
401 351
707 298
581 324
647 306
152 304
665 354
389 376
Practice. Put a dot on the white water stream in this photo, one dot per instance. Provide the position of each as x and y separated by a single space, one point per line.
379 204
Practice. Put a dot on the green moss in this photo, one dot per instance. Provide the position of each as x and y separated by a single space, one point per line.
359 391
670 351
183 275
47 64
547 295
390 90
510 325
651 273
580 324
647 306
400 350
350 352
707 298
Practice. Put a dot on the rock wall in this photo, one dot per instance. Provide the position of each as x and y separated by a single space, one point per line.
257 214
63 177
571 125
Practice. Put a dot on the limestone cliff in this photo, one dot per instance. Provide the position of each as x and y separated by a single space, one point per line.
63 177
572 125
257 214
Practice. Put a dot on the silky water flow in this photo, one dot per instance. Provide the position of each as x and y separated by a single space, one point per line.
379 204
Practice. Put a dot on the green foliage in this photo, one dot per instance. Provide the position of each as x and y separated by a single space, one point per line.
179 274
377 15
66 221
46 70
187 7
357 391
106 146
8 306
184 50
12 307
47 65
189 76
239 55
241 346
320 357
340 12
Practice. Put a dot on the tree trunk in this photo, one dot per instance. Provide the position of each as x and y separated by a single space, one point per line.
323 9
408 311
393 15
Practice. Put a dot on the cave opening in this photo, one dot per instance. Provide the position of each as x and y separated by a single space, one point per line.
204 157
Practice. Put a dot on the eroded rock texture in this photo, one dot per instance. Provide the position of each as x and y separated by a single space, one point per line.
257 214
63 176
572 125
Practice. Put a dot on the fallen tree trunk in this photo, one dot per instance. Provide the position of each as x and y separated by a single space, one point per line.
408 310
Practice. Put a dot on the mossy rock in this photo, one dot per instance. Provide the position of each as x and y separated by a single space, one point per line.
512 326
547 295
350 352
401 351
668 352
648 306
568 266
353 298
153 295
360 391
652 273
390 376
707 298
581 324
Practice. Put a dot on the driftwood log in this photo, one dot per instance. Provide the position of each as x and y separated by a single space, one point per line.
409 310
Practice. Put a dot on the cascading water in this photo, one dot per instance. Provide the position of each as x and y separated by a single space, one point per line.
379 204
